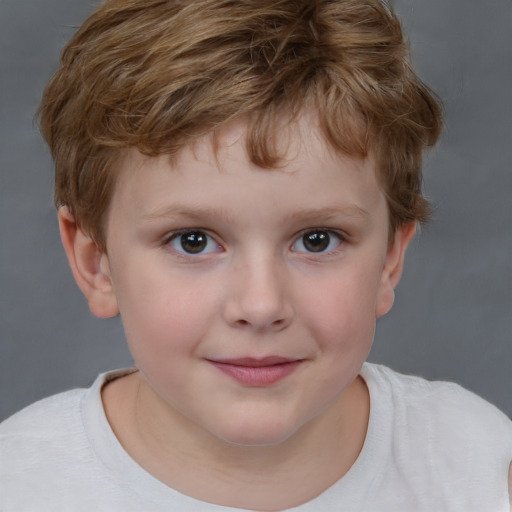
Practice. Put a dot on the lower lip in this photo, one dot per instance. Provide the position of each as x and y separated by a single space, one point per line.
257 376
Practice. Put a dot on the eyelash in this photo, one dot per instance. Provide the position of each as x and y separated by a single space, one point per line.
319 236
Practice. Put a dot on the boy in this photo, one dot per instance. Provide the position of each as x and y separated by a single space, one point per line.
240 181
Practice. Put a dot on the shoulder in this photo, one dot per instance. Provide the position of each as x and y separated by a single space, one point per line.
45 427
55 424
46 453
35 446
446 437
48 409
510 485
56 432
57 417
443 406
442 442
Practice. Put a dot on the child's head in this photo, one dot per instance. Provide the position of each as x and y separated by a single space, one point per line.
248 296
156 75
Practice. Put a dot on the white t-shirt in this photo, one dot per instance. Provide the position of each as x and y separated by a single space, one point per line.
430 446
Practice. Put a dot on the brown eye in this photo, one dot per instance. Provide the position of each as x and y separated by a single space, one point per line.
317 241
193 242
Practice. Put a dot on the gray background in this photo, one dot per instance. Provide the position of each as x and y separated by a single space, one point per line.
453 311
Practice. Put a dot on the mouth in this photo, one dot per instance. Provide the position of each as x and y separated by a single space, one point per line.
255 372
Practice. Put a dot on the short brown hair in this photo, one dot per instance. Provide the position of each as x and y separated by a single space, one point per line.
156 74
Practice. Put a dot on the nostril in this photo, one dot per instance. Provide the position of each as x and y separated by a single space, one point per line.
258 312
274 324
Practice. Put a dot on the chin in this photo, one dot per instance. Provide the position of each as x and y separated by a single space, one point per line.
257 433
257 440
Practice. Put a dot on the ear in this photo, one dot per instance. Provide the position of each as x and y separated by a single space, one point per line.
89 265
393 267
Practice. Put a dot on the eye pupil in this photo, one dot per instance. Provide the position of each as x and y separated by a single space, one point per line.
317 241
194 242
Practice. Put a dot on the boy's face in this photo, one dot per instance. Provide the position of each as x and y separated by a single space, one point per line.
249 296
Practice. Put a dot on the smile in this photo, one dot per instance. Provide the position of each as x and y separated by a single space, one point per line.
257 372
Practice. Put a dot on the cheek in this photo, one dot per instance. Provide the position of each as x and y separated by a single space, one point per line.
163 317
341 311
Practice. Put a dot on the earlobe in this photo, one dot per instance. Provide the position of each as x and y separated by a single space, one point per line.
393 268
89 266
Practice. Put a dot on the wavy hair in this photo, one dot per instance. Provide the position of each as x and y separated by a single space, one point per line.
157 74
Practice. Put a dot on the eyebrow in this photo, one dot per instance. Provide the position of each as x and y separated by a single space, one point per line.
328 213
198 213
190 212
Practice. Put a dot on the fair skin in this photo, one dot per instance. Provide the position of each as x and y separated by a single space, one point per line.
249 299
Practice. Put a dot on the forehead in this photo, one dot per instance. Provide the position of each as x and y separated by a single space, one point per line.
289 141
219 163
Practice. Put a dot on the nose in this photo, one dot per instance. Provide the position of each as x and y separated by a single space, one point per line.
259 297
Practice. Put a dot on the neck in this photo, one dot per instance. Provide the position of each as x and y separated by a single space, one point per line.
182 455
